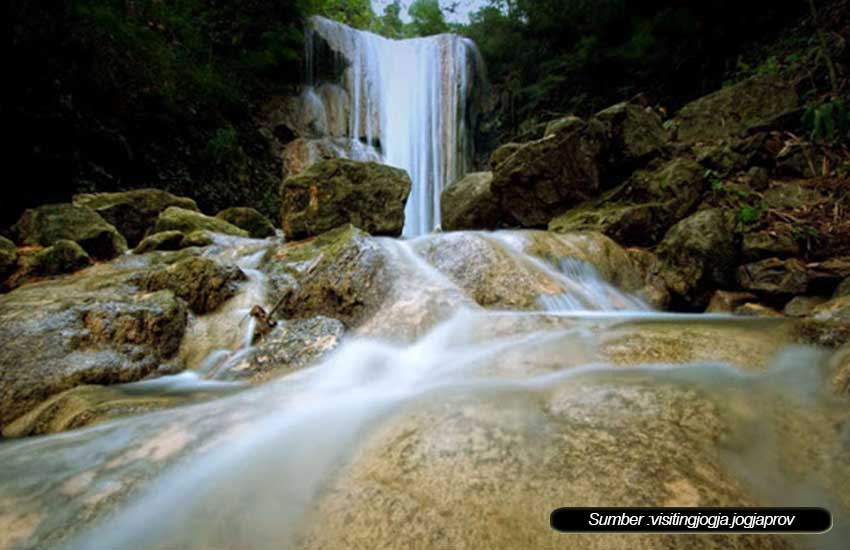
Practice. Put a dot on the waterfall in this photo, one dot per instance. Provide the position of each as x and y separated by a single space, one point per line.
412 98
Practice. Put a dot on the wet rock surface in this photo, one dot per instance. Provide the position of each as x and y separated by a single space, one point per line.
469 204
203 283
90 328
368 195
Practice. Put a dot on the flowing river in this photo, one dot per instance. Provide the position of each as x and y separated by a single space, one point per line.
441 423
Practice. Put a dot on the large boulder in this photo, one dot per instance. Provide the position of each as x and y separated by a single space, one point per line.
339 274
545 177
8 257
187 221
133 213
774 276
164 240
45 225
90 329
699 255
641 210
368 195
203 283
503 152
61 257
733 110
634 134
292 345
257 225
469 204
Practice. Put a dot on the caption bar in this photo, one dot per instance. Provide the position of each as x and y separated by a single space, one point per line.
691 520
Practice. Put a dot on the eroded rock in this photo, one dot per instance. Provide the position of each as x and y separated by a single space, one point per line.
331 193
249 219
188 221
45 225
203 283
469 204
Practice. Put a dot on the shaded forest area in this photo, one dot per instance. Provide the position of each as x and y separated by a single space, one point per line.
113 94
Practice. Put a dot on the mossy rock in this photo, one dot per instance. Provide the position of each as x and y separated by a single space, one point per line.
699 255
562 124
187 221
641 210
62 257
469 204
133 213
634 134
503 152
339 274
544 178
774 276
203 283
331 193
249 219
45 225
8 257
733 110
164 240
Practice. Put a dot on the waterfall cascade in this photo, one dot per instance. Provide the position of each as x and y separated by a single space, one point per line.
414 99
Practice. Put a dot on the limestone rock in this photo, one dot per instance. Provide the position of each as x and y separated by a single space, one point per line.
45 225
292 345
8 257
187 221
164 240
339 274
88 329
133 213
544 178
800 306
734 109
469 204
368 195
778 243
503 152
61 257
725 301
699 254
257 225
642 209
634 134
203 283
774 276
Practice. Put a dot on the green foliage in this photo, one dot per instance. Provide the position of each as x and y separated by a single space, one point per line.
390 24
828 122
561 56
426 18
354 13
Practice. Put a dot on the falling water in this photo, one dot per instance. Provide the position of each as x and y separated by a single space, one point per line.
412 97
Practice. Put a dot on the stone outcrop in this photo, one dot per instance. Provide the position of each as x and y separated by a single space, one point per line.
89 329
469 204
340 274
188 221
633 135
543 178
248 219
292 345
61 257
699 254
774 276
368 195
733 110
45 225
203 283
133 213
8 257
642 209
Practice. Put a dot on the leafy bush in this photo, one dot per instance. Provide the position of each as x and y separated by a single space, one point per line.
828 122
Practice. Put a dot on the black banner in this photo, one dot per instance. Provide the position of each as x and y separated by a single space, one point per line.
691 520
